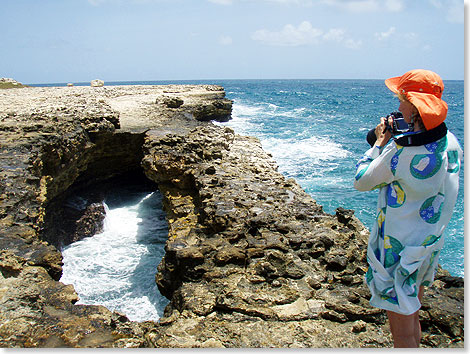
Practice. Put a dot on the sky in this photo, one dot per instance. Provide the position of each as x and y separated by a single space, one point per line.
52 41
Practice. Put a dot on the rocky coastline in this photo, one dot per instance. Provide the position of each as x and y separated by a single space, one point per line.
251 259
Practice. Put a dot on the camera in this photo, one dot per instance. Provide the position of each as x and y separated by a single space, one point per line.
397 127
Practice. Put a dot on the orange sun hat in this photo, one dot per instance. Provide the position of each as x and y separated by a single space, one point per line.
423 88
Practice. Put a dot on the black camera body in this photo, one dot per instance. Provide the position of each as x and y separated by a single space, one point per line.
398 126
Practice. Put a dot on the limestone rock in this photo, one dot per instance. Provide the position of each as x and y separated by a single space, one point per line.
171 102
90 223
97 83
6 83
219 110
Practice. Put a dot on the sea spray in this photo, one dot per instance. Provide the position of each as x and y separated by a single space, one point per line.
117 267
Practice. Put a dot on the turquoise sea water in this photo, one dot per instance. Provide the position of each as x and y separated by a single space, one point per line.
315 129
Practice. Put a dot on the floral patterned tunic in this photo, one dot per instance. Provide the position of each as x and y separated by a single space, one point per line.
418 190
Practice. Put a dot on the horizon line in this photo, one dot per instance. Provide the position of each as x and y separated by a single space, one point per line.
190 80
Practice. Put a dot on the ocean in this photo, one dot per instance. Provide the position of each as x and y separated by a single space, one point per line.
315 130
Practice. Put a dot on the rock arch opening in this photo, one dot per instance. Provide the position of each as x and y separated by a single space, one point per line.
109 225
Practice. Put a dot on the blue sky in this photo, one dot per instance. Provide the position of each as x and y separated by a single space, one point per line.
47 41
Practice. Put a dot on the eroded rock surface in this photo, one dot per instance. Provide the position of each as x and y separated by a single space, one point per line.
251 259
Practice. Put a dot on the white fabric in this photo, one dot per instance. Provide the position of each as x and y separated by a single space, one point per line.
418 190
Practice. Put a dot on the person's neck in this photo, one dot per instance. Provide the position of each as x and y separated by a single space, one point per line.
418 128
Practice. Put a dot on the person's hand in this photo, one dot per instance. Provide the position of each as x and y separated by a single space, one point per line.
383 135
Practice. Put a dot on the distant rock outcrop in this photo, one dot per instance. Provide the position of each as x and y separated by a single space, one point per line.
251 259
6 83
97 83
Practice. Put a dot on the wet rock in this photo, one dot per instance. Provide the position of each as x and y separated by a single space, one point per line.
90 223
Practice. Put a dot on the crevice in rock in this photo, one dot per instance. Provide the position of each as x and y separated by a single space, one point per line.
79 211
75 191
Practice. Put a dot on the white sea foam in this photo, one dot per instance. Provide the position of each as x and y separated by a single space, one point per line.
116 268
316 149
306 159
241 110
263 109
294 151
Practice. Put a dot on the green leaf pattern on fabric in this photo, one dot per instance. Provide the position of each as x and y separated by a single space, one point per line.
390 296
453 161
409 285
361 173
392 248
369 275
430 240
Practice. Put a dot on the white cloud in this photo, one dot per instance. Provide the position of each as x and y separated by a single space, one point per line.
384 35
353 44
225 40
304 34
406 39
334 34
289 35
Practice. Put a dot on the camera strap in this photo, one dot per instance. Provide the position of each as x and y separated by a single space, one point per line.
422 138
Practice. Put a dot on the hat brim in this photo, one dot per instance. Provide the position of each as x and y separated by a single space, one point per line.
433 110
392 83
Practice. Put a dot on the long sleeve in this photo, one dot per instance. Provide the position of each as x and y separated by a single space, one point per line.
374 169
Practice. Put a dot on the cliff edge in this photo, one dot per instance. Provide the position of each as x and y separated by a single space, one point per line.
251 259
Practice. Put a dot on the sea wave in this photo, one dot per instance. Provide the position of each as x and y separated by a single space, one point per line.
114 268
315 148
266 109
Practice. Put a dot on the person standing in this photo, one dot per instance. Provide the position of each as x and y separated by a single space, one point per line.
418 177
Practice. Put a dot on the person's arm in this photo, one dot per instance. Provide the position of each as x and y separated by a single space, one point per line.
373 170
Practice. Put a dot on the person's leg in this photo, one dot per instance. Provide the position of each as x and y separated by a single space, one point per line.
406 329
403 328
418 327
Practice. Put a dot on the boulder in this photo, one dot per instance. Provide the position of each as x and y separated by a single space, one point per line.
97 83
6 83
